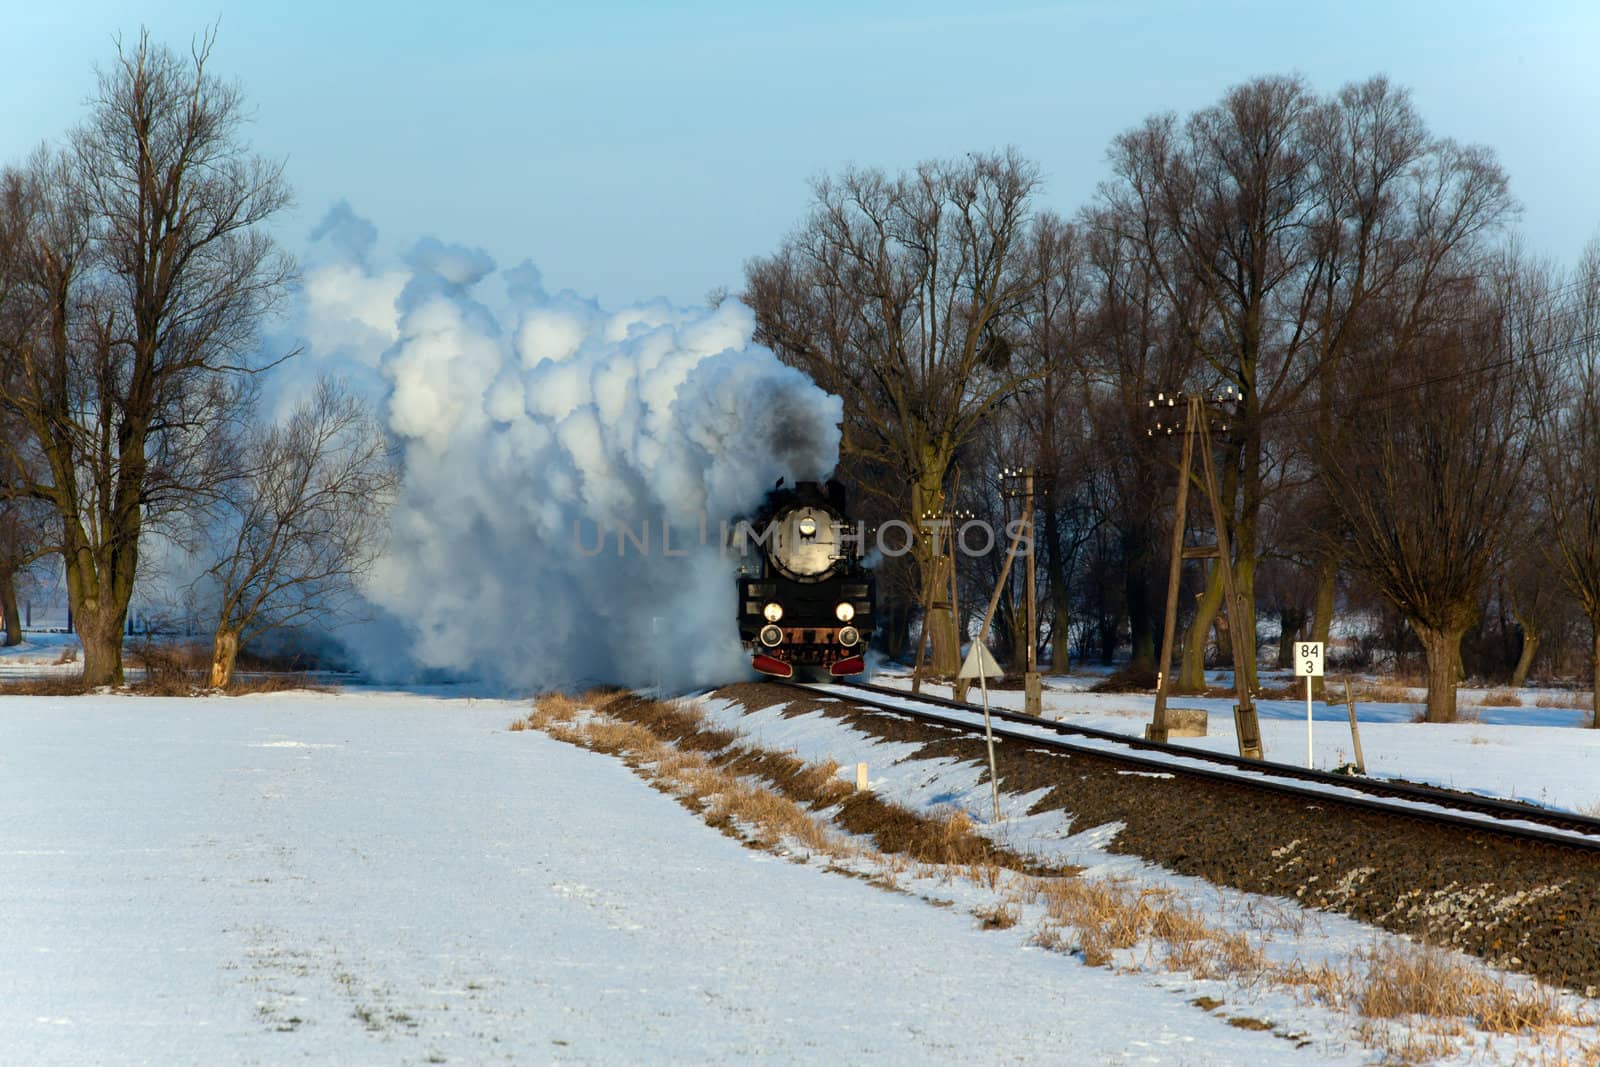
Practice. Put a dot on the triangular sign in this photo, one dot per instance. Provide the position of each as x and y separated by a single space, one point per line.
980 663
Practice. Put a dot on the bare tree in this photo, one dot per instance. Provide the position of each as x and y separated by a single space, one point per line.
295 535
24 539
1273 222
1429 485
147 273
1568 450
895 294
1054 316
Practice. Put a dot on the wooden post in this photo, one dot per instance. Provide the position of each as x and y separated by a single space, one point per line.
1246 725
1032 701
988 733
1355 729
994 600
861 778
960 686
1169 625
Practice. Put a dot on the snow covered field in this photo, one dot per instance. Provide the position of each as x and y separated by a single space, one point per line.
394 878
370 877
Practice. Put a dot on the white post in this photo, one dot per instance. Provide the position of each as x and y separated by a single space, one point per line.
988 733
1310 763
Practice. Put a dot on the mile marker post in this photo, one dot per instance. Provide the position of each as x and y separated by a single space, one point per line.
980 664
1308 662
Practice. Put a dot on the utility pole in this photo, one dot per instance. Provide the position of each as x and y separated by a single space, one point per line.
1010 477
1033 699
1005 574
1169 625
959 691
1247 727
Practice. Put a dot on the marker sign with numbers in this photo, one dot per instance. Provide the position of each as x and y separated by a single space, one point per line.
1308 665
1308 659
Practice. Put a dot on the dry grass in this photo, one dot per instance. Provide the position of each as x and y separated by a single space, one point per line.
1416 1003
1108 915
758 815
274 683
1404 1045
1468 713
1130 679
1501 698
1420 980
1390 692
947 838
67 686
998 917
169 670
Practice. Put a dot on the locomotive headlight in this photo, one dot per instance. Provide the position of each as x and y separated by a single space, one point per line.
848 636
772 612
808 527
771 636
844 612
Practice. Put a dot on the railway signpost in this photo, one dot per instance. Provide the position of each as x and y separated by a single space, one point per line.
1308 664
980 664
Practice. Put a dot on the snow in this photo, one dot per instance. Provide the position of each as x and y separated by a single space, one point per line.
393 878
1541 755
41 654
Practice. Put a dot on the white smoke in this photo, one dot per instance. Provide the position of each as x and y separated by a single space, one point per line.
529 423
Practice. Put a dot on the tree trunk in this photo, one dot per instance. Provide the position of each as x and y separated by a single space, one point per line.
1290 619
1594 720
1060 598
1244 583
1192 675
1019 638
896 628
224 651
1141 610
8 607
1530 647
100 633
1322 612
99 586
940 622
1443 649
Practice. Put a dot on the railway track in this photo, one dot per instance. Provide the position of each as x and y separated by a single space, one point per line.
1430 805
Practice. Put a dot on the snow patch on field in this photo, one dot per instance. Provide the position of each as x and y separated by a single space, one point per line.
426 886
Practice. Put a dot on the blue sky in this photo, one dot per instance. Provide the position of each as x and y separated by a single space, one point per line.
634 150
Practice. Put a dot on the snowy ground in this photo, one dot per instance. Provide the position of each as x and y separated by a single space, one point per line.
368 877
1546 755
390 878
41 655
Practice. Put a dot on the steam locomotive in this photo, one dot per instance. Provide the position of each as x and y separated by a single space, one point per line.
805 599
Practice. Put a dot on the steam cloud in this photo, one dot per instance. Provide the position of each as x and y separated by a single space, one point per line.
525 418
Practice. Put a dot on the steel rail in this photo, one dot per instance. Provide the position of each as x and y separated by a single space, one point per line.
1279 778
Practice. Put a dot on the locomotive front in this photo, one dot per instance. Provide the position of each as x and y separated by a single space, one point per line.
809 604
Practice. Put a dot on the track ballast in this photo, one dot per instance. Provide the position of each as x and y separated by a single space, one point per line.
1527 822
